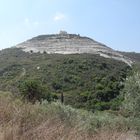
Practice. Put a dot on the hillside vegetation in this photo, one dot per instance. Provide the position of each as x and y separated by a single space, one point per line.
54 121
105 91
87 81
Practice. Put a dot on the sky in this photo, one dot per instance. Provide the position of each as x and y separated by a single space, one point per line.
115 23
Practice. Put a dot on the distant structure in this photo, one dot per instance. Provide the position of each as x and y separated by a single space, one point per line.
63 32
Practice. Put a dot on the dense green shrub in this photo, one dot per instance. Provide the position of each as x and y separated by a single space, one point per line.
131 91
33 91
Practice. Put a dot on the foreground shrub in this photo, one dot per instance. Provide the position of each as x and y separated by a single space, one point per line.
131 91
55 121
33 91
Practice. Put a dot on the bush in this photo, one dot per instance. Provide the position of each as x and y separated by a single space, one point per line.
33 91
131 91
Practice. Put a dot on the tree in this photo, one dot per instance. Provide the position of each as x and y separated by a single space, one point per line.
131 91
33 91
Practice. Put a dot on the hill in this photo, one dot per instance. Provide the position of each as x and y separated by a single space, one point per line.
87 80
132 55
64 43
100 103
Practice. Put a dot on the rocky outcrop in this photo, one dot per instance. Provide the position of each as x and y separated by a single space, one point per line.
64 43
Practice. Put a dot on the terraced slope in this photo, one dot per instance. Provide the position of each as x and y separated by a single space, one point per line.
65 43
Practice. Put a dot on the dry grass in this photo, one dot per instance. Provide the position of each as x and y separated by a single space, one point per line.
25 121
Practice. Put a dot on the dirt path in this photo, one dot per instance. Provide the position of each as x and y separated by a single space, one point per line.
23 72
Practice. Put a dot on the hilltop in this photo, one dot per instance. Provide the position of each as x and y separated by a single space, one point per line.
64 43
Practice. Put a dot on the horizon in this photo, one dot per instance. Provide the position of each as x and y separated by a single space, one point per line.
114 23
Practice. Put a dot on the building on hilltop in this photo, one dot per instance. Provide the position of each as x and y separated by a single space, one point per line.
63 32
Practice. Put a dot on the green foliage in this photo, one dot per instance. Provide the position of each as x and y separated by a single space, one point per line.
131 91
85 120
87 81
33 91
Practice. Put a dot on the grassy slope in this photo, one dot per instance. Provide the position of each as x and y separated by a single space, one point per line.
25 121
86 80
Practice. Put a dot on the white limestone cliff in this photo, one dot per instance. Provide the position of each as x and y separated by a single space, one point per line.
64 43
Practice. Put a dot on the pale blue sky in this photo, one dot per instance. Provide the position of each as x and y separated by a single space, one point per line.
115 23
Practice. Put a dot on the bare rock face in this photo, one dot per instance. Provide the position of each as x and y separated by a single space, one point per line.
64 43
